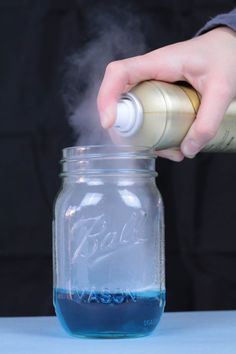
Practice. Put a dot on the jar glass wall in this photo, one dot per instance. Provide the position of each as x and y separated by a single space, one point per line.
109 278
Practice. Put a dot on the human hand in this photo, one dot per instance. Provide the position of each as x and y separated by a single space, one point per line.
207 62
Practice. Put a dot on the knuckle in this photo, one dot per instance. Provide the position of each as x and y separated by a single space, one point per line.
205 133
115 67
222 89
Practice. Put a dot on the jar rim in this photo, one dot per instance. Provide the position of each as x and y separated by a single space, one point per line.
93 151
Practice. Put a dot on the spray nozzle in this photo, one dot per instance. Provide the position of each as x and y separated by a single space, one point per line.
129 115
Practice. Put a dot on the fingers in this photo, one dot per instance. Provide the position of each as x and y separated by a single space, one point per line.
171 154
121 76
115 82
214 104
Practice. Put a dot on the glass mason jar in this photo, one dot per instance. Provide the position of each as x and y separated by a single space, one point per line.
109 278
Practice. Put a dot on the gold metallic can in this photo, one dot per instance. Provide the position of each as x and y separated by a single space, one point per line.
159 114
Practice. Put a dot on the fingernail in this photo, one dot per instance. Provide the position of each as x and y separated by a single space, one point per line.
190 148
107 118
105 121
190 156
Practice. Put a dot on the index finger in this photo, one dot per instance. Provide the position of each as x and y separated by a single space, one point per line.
120 76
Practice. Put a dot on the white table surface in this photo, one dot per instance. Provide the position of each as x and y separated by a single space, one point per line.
180 332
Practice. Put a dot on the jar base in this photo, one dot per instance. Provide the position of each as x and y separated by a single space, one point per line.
107 335
103 315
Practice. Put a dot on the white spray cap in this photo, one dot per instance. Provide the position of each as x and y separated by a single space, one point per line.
129 116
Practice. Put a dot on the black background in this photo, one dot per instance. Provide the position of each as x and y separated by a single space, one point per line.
199 195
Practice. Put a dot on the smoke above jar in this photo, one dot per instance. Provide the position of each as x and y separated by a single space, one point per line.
114 33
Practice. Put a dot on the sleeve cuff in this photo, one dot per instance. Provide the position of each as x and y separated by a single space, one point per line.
228 20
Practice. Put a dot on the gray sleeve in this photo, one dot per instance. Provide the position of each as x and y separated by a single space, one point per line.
228 19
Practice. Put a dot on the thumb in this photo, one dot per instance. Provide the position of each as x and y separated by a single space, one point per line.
120 76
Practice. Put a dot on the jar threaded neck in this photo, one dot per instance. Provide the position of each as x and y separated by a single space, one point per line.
108 160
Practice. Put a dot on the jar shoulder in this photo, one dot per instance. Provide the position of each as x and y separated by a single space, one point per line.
108 196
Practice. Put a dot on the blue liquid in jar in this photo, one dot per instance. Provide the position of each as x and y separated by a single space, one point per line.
105 314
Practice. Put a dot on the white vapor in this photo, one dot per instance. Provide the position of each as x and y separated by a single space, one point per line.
118 35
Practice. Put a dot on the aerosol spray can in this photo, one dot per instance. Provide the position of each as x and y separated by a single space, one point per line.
159 114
